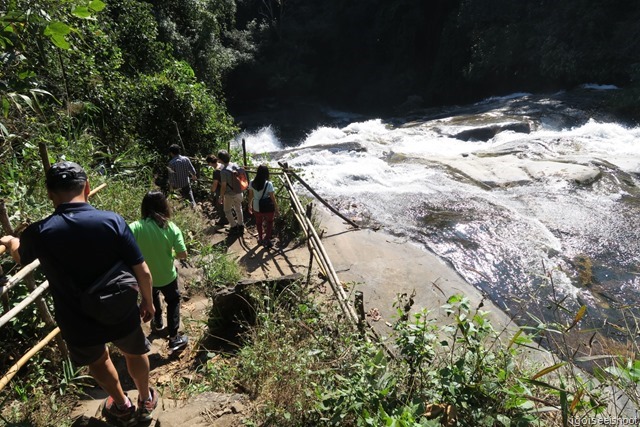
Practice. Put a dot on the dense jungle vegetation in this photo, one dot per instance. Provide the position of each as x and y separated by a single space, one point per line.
111 84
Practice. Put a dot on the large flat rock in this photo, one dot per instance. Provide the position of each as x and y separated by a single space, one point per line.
511 170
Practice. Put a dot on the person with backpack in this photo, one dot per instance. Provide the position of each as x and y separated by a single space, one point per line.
263 205
159 238
76 245
212 162
232 186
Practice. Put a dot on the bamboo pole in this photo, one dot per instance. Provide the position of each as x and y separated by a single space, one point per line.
24 303
303 226
332 276
19 276
24 359
317 196
44 156
98 188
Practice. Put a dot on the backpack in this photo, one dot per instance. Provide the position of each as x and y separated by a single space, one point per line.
239 180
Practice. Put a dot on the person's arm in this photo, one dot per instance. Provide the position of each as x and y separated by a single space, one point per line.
11 243
250 200
145 282
275 203
215 185
179 248
223 189
192 171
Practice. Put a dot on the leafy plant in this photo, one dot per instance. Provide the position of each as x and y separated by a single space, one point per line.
72 378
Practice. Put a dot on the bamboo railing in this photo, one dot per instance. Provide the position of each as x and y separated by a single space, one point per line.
319 253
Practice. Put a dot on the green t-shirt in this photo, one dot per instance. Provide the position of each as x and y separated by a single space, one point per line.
157 246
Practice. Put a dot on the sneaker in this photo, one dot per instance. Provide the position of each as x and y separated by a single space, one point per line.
157 325
116 416
178 343
145 409
268 244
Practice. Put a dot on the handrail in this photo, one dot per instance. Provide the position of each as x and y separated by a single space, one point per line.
322 256
24 359
19 276
24 303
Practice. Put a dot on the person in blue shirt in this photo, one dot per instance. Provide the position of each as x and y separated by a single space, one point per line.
79 243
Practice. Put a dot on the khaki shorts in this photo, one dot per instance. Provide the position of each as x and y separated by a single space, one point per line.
134 343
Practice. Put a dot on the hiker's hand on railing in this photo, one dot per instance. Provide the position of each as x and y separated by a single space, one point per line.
5 243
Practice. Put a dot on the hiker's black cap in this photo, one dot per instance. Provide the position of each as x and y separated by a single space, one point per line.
64 172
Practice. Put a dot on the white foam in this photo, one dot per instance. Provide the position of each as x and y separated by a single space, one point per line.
262 141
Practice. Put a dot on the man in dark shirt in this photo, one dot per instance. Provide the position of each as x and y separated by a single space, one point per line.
181 171
78 244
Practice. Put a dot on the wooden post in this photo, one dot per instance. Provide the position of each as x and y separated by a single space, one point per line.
244 159
359 305
184 150
4 220
44 156
244 152
309 207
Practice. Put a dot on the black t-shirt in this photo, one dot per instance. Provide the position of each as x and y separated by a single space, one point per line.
80 243
217 176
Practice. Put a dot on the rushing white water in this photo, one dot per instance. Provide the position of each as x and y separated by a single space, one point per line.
550 191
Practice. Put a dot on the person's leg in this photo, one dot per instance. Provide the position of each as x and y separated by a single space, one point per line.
268 219
138 368
134 347
157 317
237 206
219 209
259 218
105 374
187 194
228 210
171 294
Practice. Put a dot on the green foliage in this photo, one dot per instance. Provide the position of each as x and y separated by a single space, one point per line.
181 110
219 268
195 30
73 380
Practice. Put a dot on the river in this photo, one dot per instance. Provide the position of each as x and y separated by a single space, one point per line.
531 198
